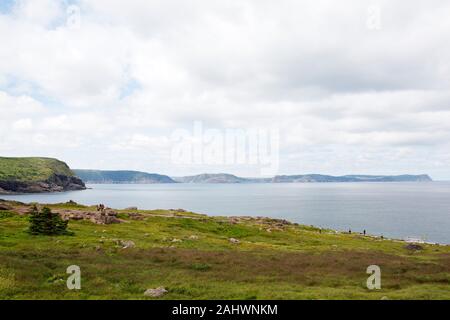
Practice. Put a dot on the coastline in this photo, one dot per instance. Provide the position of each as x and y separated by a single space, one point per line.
232 218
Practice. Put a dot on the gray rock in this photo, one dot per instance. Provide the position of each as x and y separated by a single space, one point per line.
4 207
126 244
413 247
155 293
233 240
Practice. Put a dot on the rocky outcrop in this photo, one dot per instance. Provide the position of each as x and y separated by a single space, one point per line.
4 207
106 216
56 183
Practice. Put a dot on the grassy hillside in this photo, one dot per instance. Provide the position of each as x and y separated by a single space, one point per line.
103 176
193 258
31 169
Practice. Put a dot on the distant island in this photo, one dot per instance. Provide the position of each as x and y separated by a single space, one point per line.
35 175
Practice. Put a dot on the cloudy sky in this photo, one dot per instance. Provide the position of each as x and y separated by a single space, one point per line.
351 86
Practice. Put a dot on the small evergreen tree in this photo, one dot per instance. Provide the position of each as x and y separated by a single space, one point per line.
45 222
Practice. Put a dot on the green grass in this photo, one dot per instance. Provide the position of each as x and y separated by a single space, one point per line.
191 256
31 169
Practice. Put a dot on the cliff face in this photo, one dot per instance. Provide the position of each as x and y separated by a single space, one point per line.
57 183
35 175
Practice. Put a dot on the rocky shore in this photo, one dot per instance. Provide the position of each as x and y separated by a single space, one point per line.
56 183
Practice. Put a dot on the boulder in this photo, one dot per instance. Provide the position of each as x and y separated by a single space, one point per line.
4 207
413 247
126 244
155 293
103 217
135 216
233 240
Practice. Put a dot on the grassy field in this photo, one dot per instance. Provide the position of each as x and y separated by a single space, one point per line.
31 169
192 257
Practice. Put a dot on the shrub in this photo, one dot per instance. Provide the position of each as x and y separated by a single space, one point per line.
45 222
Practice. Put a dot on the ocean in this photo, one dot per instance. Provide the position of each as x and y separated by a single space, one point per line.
394 210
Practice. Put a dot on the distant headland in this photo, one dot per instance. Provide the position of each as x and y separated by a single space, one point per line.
37 174
99 177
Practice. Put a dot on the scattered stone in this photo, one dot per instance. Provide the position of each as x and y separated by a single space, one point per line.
126 244
413 247
158 292
106 216
193 237
4 207
177 240
135 216
155 293
235 241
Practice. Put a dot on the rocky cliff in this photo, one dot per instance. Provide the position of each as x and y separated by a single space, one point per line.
35 175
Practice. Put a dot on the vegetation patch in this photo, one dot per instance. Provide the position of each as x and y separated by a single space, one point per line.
31 169
45 222
292 262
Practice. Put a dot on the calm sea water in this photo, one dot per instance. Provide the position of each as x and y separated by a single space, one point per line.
396 210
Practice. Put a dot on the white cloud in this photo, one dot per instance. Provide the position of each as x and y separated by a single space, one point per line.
133 73
40 12
23 125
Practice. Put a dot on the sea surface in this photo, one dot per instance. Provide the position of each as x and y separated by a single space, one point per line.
395 210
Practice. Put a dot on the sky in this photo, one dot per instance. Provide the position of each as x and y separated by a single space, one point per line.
331 87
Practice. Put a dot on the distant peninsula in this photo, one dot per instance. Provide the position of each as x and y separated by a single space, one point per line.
137 177
121 176
36 175
306 178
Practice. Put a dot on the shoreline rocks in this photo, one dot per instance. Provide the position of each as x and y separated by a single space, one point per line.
56 183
